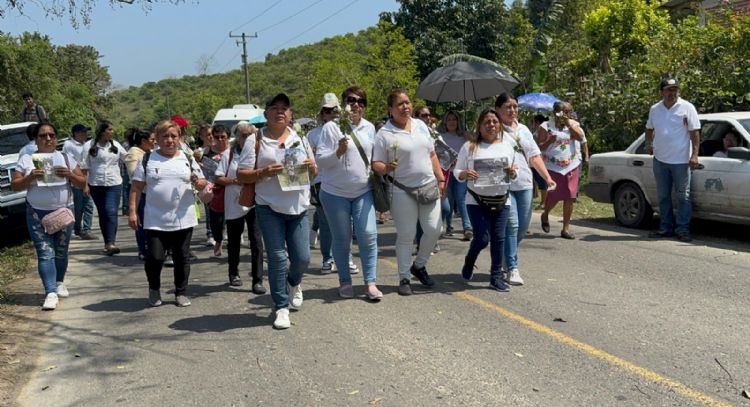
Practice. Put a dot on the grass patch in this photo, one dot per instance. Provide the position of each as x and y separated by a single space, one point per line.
14 263
585 208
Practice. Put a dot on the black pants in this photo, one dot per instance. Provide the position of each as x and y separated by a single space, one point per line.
235 228
177 242
216 223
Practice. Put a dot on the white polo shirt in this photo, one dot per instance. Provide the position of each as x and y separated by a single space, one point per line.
412 149
104 169
672 130
268 190
74 148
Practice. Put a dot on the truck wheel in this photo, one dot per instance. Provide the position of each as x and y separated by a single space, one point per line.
631 208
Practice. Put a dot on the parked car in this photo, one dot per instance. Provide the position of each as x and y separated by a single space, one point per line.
12 203
719 189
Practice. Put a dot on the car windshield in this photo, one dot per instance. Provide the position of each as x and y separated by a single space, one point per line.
11 141
746 124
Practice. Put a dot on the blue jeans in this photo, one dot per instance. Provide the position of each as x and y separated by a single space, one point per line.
519 217
284 234
677 176
107 200
140 233
457 199
325 236
342 213
51 250
207 213
488 229
83 209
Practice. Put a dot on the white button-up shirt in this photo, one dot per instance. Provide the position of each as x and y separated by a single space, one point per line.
104 168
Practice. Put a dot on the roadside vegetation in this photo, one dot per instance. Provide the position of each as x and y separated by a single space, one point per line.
15 262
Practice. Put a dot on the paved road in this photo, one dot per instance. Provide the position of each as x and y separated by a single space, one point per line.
609 319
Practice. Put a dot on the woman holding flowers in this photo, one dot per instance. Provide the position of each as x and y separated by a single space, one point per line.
404 152
281 207
527 154
344 154
560 139
487 163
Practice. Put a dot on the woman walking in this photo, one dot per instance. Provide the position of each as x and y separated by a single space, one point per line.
404 151
560 139
47 176
453 133
101 166
344 154
522 187
486 162
168 177
236 215
281 210
142 142
209 164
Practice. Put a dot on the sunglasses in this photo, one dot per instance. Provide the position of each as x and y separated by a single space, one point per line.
48 136
328 110
350 100
424 115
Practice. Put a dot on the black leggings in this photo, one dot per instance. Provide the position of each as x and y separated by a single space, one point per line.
235 228
159 242
216 223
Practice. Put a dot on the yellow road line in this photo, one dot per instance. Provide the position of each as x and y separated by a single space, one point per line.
598 353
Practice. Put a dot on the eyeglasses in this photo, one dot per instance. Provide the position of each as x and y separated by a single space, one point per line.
350 100
48 136
424 115
328 110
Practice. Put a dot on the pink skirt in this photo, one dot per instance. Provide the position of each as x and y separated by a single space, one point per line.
567 186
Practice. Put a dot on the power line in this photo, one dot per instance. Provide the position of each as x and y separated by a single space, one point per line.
258 16
287 18
229 62
315 25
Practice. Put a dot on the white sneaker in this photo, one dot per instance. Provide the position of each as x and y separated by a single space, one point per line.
353 267
50 302
62 291
327 267
282 319
295 293
313 238
210 242
514 277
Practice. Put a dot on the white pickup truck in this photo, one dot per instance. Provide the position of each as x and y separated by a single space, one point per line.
12 203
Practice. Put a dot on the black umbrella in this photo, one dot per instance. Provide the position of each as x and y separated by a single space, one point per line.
466 80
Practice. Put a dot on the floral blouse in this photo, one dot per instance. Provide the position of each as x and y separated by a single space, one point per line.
564 154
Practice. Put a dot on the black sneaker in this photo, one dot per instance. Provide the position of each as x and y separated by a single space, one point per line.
661 234
258 288
467 272
684 237
404 287
235 281
87 236
497 283
422 276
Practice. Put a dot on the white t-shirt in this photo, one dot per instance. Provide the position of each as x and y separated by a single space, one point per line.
313 136
232 207
346 176
672 130
47 198
74 148
29 148
485 150
104 169
412 149
522 137
268 190
170 202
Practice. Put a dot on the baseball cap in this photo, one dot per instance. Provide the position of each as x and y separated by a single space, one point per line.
669 83
180 121
279 96
79 127
329 100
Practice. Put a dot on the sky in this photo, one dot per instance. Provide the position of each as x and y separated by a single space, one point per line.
168 41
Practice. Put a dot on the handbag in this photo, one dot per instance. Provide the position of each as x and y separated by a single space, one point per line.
315 194
490 204
247 193
217 203
379 196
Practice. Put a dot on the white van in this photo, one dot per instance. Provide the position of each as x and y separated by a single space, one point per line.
230 117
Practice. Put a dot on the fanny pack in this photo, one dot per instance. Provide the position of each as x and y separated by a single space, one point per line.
490 204
425 194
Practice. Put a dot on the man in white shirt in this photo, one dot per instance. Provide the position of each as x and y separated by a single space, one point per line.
672 136
82 202
29 148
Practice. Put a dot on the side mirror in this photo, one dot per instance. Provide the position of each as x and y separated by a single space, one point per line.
741 153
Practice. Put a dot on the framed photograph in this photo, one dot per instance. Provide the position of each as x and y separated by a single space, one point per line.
445 154
491 171
45 161
295 175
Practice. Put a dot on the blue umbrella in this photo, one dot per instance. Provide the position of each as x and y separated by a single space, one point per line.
537 101
259 119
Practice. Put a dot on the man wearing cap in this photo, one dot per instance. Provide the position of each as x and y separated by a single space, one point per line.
672 136
82 202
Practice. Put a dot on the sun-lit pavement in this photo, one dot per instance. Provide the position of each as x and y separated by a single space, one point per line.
608 319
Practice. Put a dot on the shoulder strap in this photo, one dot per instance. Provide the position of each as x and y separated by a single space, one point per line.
144 162
257 148
39 116
361 150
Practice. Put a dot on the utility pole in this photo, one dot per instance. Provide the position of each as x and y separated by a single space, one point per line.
244 59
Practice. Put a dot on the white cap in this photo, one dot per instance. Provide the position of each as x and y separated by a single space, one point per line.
329 100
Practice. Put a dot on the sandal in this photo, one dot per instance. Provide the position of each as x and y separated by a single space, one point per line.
545 223
567 235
